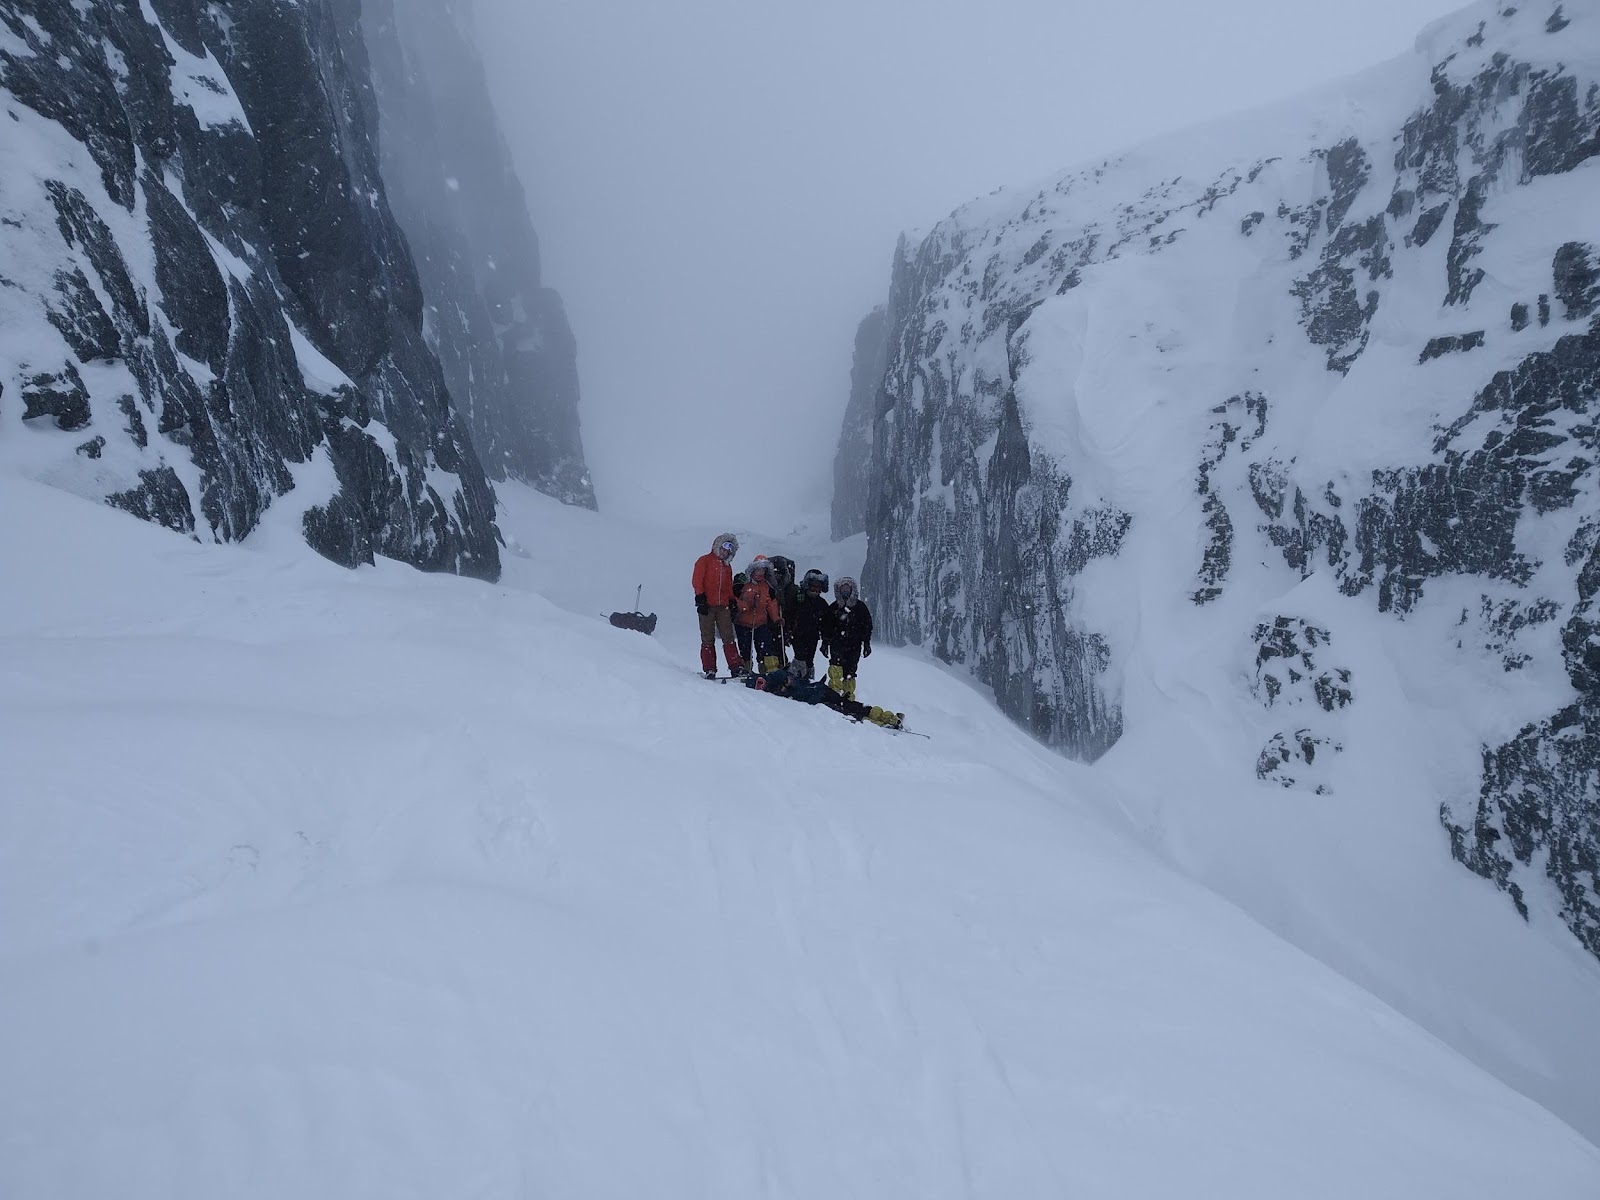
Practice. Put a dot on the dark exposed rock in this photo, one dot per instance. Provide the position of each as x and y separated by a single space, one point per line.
1541 801
1348 172
1531 428
1577 279
1427 225
81 319
1465 244
1452 344
135 428
232 240
1520 319
60 395
1501 623
1289 759
161 498
193 295
852 461
93 448
508 354
1289 674
1287 671
1337 301
1236 418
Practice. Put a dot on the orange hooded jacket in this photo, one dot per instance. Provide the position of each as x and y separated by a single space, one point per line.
757 605
713 578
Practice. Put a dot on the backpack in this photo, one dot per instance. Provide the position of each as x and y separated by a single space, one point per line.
637 621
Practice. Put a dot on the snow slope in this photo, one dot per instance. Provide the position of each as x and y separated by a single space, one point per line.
320 883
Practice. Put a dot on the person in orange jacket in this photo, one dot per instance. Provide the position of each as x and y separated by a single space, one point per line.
757 617
713 601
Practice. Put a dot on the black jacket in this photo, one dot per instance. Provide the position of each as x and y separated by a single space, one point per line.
810 618
849 627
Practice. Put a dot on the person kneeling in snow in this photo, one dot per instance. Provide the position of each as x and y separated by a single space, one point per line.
788 683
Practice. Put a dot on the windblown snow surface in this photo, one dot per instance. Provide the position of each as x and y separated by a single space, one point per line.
318 883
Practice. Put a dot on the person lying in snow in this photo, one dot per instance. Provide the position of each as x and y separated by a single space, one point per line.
788 683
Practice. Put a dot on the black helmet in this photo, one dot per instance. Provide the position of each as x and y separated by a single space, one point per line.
816 579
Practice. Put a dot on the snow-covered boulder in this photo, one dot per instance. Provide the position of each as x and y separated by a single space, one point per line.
1328 369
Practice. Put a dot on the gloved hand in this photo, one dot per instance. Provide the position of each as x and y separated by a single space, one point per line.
700 605
866 649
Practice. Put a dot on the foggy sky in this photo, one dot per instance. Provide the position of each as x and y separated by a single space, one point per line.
718 185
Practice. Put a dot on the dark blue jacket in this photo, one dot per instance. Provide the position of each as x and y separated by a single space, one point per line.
783 683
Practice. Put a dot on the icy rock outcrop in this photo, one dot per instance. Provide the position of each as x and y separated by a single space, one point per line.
202 281
1291 676
508 354
853 460
1353 339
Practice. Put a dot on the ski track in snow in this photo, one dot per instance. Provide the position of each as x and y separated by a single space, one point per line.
318 883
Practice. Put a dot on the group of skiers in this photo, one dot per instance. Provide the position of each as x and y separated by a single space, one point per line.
772 625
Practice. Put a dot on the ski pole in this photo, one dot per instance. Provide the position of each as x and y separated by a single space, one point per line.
636 596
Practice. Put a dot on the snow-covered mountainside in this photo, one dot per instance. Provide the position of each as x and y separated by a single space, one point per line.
205 304
508 354
853 461
1268 452
451 889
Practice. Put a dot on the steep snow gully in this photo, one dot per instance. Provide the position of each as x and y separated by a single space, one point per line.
329 883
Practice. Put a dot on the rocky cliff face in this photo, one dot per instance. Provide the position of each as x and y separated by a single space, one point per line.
207 312
853 461
509 356
1188 432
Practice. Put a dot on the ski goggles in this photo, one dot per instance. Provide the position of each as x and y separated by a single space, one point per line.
726 550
